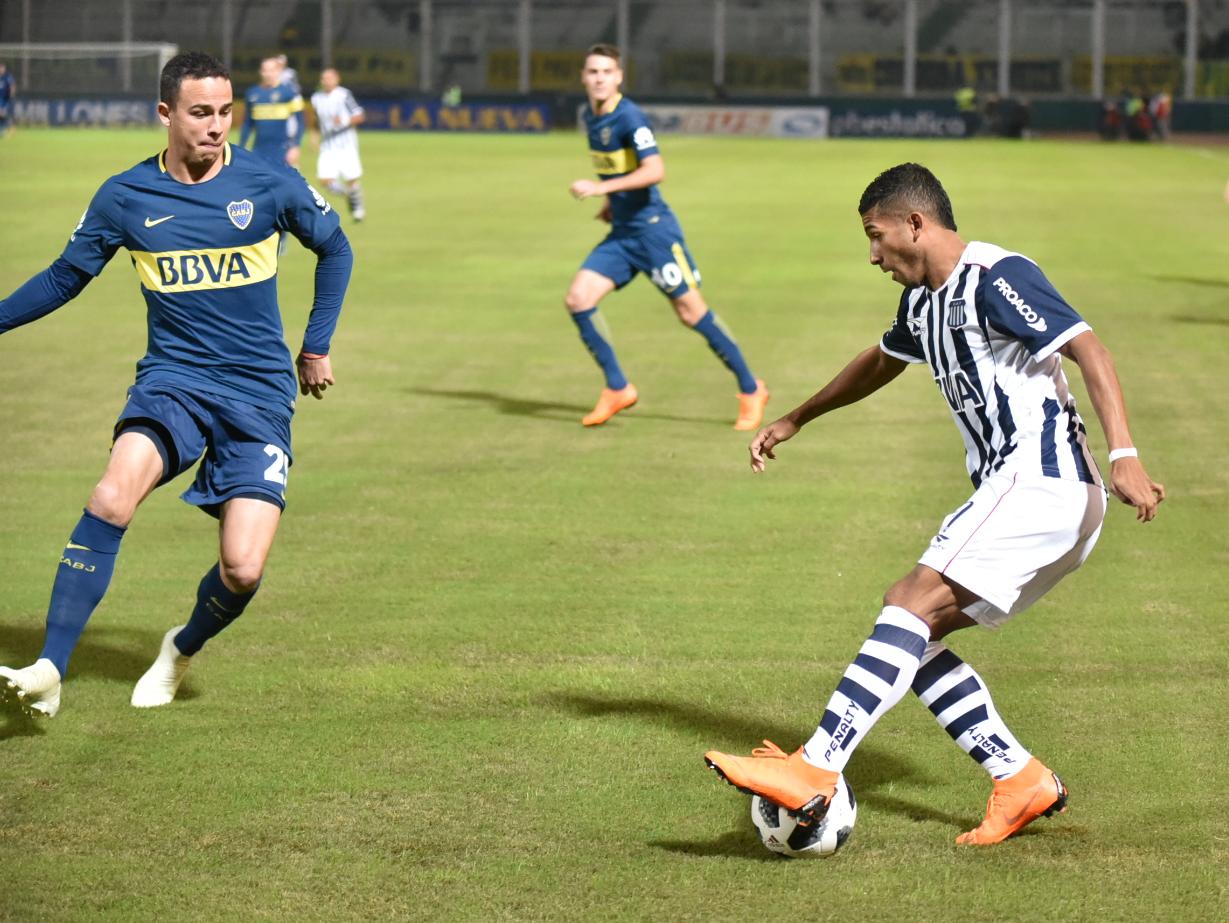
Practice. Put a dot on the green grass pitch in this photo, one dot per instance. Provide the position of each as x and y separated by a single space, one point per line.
492 645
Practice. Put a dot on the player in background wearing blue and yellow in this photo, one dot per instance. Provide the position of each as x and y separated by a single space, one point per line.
201 222
273 116
8 90
644 237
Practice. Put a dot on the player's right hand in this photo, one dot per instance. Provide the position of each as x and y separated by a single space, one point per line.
767 439
604 214
315 374
1129 482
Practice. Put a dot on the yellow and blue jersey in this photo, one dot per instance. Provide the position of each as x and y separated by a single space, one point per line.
618 142
206 258
275 116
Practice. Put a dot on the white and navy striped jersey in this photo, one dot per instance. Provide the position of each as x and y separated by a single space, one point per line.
991 335
334 110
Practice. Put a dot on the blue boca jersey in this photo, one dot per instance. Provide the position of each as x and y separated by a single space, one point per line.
206 258
6 88
275 116
618 142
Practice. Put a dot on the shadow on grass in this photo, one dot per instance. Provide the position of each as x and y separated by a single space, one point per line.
1194 280
1204 321
872 770
119 654
16 723
737 844
549 410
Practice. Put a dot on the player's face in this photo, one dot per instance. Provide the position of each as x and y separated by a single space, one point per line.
270 71
198 125
601 77
894 246
329 80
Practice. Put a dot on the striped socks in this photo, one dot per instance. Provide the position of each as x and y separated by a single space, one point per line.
960 702
878 678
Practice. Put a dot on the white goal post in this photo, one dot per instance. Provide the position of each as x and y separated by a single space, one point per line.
83 68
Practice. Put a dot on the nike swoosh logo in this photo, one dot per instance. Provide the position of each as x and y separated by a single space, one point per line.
1012 821
150 224
73 547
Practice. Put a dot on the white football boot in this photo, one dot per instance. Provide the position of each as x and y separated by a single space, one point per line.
34 689
161 681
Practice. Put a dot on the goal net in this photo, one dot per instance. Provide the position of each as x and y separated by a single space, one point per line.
87 69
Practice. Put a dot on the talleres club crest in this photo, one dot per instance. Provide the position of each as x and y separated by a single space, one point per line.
240 213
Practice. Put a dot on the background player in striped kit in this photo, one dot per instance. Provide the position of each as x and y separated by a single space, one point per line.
991 327
200 220
645 236
337 116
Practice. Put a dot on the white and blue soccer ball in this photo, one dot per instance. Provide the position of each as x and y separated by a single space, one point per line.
783 834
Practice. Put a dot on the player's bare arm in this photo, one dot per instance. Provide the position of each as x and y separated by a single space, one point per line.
1128 481
869 371
652 170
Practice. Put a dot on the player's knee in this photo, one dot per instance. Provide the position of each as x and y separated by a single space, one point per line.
689 311
687 318
574 301
908 595
241 575
113 503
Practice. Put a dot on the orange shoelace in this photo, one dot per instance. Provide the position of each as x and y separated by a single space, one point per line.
770 750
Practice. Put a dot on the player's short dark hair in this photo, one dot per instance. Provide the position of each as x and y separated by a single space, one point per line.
606 50
909 187
191 65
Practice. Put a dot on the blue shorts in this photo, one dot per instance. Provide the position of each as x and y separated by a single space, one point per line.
658 251
246 448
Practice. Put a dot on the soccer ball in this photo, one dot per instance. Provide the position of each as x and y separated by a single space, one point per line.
782 833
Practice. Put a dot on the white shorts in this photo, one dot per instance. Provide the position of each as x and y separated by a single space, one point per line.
339 162
1015 538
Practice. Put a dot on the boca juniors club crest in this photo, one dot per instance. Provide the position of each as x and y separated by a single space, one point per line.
604 134
240 213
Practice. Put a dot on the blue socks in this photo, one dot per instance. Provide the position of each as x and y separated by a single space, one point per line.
216 607
586 322
709 327
720 342
80 583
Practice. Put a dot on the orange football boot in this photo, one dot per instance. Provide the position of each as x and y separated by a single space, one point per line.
1015 803
609 403
751 407
786 780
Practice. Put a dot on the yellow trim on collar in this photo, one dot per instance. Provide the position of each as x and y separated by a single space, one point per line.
617 98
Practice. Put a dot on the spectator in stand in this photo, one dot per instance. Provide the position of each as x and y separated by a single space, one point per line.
1160 107
966 105
1110 123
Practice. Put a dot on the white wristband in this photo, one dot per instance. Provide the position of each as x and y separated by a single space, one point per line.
1128 452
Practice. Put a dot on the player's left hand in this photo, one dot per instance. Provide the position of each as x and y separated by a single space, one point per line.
584 189
605 214
1129 482
315 375
292 156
